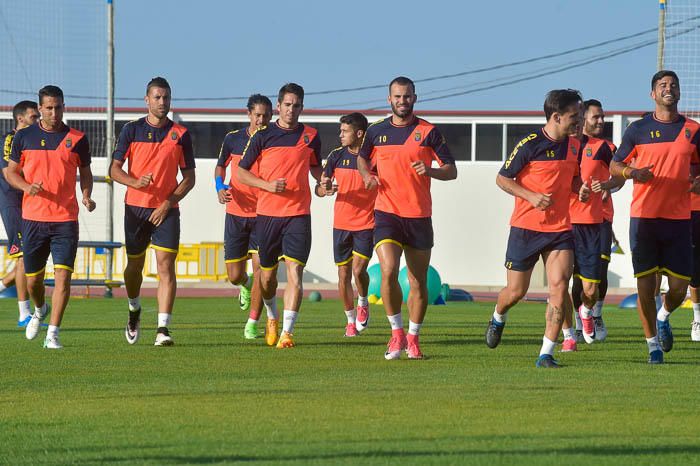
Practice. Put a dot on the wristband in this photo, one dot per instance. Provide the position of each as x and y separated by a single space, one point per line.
220 184
624 173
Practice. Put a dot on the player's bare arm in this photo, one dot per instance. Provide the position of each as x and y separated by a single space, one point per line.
184 187
86 182
224 194
247 178
641 175
371 181
540 201
117 173
17 181
445 173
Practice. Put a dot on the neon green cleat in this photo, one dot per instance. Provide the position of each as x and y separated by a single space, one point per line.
244 297
251 331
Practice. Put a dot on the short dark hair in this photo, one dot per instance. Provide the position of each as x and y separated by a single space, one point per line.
290 88
662 74
402 81
258 99
157 82
591 103
357 120
558 100
50 91
21 108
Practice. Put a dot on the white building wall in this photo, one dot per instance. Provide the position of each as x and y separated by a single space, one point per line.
470 218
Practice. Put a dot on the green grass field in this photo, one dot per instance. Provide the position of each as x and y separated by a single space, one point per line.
215 398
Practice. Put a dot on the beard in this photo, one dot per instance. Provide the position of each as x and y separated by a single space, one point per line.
402 113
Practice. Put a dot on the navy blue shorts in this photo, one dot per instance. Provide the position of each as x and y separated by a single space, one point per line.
695 222
139 232
12 219
587 261
413 232
526 246
606 239
283 238
661 245
60 239
348 243
239 238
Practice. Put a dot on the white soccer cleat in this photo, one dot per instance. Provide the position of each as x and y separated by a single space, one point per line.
163 338
132 332
34 325
695 331
52 342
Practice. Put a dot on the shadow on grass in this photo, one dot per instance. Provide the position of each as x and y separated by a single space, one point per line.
598 452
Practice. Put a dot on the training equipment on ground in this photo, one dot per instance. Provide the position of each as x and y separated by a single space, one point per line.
373 298
9 292
375 280
315 296
460 295
434 284
630 302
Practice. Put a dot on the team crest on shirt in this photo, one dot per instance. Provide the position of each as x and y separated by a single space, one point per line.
306 139
589 152
687 133
417 136
43 143
173 136
573 149
69 143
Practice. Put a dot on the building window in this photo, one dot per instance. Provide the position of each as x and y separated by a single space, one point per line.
207 136
459 139
489 142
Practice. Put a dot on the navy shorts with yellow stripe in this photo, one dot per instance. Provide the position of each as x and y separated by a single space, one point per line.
660 244
60 239
239 238
587 261
526 246
606 239
416 233
12 219
139 232
347 244
695 225
283 238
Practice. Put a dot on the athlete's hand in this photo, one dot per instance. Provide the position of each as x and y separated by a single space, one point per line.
34 188
224 196
541 201
642 175
158 215
695 185
584 193
89 204
371 182
420 167
326 185
605 196
596 185
144 181
277 186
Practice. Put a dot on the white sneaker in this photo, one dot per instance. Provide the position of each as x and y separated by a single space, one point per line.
163 337
52 342
34 325
695 331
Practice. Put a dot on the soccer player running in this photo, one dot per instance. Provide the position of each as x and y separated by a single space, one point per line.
664 146
541 172
284 154
587 223
44 163
241 201
24 113
403 147
353 220
156 148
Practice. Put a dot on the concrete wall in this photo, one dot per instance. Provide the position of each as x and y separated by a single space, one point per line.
470 220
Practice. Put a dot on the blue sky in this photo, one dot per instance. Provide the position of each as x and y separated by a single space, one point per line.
228 48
